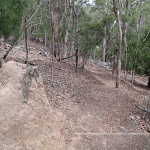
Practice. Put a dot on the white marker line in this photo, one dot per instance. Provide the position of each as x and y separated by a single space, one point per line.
147 134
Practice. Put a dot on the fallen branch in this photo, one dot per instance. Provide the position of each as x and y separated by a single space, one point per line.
66 57
123 128
134 120
12 45
146 110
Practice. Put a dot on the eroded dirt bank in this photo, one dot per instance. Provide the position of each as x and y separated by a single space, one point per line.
31 126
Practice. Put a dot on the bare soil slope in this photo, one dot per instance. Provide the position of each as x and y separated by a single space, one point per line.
98 116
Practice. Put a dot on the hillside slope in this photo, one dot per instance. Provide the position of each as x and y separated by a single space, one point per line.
98 116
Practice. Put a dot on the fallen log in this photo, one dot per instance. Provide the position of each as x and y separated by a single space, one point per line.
66 57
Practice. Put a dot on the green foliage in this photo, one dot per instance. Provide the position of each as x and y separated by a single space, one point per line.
144 54
11 16
90 33
133 22
139 52
108 20
124 18
98 52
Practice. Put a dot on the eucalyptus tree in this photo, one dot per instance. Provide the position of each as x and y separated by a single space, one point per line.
77 9
118 18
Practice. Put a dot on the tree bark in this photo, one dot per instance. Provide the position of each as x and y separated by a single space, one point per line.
45 39
148 82
84 60
53 49
116 11
128 6
55 16
104 39
104 47
77 12
77 44
26 39
64 51
64 47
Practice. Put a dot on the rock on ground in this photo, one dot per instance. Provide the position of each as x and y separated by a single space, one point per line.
31 126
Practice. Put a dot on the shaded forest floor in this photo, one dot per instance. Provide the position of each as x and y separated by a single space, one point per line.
99 116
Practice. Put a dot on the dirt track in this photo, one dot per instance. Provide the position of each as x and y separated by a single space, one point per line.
98 115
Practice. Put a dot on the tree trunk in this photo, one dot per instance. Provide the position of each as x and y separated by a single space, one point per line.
64 47
104 39
126 54
76 14
77 44
64 51
26 38
128 7
55 20
84 60
104 46
26 45
148 82
116 11
119 56
53 49
45 39
95 55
